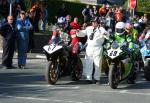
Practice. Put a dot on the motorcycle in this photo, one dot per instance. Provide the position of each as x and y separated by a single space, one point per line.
62 62
145 51
119 62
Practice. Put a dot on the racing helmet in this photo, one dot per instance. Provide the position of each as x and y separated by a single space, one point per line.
61 22
120 28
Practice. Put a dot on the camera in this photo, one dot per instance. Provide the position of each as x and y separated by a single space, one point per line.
91 36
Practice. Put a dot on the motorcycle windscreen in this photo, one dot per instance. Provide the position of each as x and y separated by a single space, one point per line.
52 48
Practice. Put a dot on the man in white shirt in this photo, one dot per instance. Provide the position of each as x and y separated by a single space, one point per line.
95 39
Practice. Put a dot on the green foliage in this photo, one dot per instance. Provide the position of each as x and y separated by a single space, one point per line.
28 4
143 6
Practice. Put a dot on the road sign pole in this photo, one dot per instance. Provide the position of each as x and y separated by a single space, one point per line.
133 12
10 6
10 9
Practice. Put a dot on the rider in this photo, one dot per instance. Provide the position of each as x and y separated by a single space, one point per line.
59 35
122 36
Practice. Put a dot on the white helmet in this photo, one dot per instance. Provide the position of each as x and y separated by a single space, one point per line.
61 20
120 28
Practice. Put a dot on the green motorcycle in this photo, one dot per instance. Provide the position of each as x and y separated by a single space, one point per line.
120 63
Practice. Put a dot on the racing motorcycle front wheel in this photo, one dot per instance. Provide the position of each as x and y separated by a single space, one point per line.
113 76
52 72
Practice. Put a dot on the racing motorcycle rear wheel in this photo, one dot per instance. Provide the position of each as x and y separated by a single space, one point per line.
77 70
52 72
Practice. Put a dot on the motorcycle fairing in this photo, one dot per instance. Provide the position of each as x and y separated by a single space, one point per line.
113 53
52 48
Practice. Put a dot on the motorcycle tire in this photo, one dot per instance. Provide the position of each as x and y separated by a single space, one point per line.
77 71
52 72
147 71
112 77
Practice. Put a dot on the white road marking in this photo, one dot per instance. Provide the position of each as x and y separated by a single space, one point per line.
58 87
43 99
40 56
133 93
70 87
121 92
25 85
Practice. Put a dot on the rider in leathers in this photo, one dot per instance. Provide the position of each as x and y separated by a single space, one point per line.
95 38
121 36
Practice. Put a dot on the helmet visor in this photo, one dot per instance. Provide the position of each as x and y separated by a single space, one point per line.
120 31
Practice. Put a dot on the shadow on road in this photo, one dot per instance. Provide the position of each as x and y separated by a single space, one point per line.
20 78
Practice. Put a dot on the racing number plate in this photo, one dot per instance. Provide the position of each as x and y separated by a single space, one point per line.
113 53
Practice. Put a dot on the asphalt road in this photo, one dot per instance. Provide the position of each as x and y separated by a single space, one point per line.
29 86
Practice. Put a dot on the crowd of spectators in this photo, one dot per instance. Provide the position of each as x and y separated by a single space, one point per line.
108 17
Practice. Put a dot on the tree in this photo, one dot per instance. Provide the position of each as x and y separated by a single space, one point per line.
143 6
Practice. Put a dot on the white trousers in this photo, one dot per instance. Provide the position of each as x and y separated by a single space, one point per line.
93 56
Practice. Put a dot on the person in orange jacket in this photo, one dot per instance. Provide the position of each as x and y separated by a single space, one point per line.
102 10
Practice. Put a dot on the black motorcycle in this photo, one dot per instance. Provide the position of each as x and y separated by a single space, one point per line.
62 61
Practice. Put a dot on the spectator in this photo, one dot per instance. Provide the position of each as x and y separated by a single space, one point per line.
141 22
75 24
118 15
127 14
86 14
67 26
21 3
9 35
94 11
44 17
37 17
111 23
145 19
102 10
23 26
75 42
31 45
17 12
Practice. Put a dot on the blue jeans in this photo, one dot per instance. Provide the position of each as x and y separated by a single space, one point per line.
22 48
